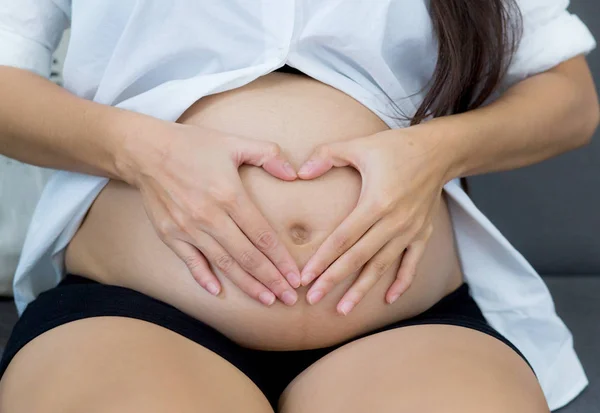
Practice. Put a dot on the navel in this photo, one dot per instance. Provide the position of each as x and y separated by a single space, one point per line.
299 234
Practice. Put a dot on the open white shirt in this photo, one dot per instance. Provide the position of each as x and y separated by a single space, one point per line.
158 57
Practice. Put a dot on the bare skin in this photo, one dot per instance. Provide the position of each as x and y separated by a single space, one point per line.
433 369
117 245
111 364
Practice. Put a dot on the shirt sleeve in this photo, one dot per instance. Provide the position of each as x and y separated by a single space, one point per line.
551 35
30 31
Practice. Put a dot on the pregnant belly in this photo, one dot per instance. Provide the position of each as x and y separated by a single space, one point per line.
116 243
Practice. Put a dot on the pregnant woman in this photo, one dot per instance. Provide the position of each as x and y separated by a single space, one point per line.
260 207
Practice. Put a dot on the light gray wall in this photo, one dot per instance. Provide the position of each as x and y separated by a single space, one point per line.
551 211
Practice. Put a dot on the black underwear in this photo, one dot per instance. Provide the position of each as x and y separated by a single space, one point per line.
77 298
290 69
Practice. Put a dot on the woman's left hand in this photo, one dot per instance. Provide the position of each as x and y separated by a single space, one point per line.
403 172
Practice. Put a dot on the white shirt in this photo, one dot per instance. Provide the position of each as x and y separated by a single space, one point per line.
158 57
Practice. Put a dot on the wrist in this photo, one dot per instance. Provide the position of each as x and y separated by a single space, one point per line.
139 144
450 136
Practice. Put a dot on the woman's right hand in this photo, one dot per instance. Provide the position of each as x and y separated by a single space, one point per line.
193 194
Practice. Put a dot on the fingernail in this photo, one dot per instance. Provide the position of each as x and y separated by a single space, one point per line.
314 297
289 297
393 298
212 288
307 278
293 279
306 168
346 307
289 169
266 298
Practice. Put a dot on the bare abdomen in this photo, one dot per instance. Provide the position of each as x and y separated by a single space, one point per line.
117 245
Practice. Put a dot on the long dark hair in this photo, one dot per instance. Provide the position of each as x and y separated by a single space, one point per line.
476 42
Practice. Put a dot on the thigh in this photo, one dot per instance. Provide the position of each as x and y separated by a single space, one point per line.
114 364
428 368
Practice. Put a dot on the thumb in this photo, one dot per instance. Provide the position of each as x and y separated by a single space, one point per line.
325 157
266 155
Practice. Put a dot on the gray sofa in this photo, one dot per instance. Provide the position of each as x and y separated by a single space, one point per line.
551 213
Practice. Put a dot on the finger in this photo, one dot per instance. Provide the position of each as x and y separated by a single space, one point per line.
226 264
233 240
266 155
407 271
371 274
352 260
252 222
191 256
343 238
325 157
198 266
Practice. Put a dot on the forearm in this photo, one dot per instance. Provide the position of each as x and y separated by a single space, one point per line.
539 118
45 125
